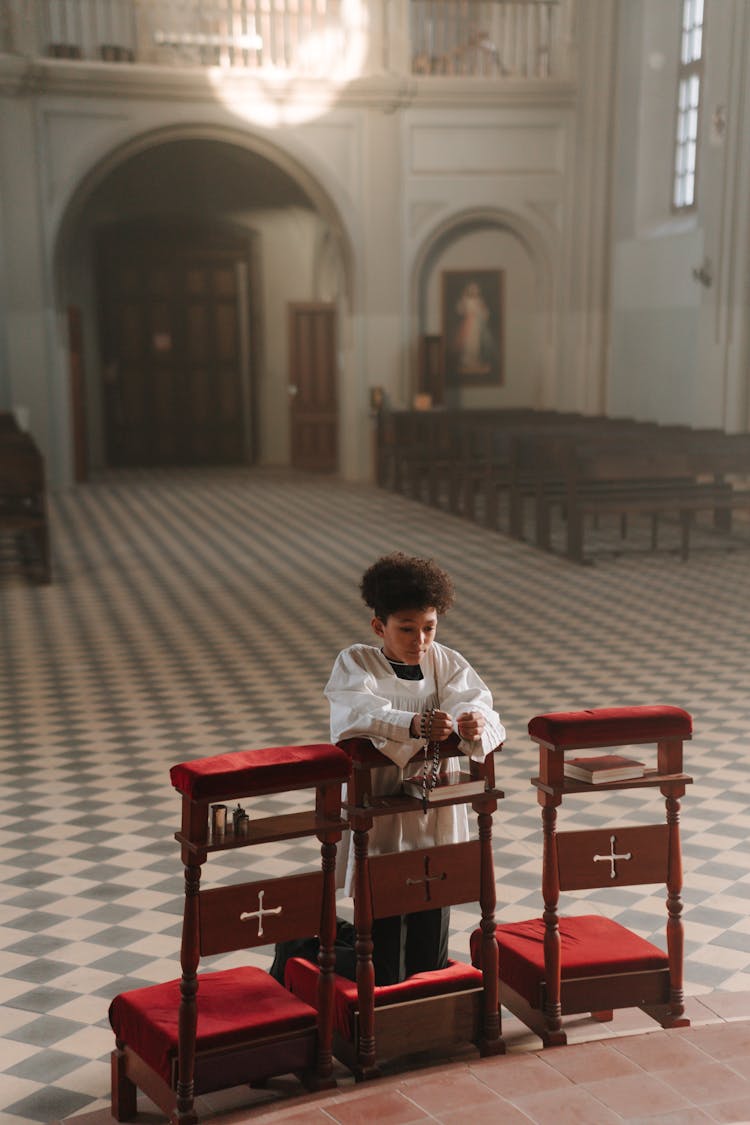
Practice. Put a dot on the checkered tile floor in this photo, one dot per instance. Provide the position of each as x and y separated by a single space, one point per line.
197 612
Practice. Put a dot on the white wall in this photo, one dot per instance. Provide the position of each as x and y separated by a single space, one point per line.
286 242
489 189
27 309
679 350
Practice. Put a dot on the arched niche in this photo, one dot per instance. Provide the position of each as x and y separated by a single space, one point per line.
493 240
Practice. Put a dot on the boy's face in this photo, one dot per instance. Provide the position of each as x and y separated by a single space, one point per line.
407 634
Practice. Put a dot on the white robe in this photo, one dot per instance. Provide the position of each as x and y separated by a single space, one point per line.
368 700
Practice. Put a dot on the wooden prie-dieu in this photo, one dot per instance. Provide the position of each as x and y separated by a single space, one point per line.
429 1010
554 966
212 1030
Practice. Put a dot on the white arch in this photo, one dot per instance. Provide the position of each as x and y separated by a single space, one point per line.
330 203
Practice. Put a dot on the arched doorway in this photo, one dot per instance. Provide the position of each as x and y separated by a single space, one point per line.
180 264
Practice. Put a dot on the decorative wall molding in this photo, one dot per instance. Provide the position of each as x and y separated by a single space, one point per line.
89 79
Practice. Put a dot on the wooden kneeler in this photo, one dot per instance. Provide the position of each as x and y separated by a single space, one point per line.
555 966
431 1010
210 1031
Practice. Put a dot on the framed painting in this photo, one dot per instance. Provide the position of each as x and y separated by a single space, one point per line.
472 310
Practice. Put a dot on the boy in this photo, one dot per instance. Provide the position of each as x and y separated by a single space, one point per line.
406 690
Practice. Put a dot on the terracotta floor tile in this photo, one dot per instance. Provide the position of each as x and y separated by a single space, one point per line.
637 1094
728 1005
512 1075
578 1107
732 1111
679 1117
629 1020
740 1064
698 1010
721 1040
588 1062
658 1051
440 1094
707 1082
501 1113
311 1115
388 1107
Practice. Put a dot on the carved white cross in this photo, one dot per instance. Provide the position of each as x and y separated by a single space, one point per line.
426 879
610 859
260 912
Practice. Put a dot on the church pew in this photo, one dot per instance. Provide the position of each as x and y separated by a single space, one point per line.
453 458
23 505
626 480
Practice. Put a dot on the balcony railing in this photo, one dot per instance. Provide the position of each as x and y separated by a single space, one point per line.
471 38
485 38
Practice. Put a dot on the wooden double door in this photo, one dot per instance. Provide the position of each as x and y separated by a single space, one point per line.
175 326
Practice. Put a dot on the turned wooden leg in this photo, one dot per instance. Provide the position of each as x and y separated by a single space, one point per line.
675 929
366 1063
184 1111
552 952
326 960
491 1042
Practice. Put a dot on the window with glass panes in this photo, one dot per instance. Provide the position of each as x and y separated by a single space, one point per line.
688 105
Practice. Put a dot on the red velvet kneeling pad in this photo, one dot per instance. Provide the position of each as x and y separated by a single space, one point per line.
241 773
590 946
302 978
610 726
235 1006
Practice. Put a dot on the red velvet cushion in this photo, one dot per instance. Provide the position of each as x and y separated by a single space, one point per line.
234 1006
590 946
610 726
272 770
302 978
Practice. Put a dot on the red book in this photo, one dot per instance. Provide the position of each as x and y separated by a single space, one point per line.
604 767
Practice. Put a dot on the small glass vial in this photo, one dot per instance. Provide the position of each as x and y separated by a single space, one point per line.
218 821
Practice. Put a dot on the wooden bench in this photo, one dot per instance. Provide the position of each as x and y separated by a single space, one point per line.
23 504
466 461
634 481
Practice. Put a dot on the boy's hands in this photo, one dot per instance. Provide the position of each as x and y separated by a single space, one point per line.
471 725
441 726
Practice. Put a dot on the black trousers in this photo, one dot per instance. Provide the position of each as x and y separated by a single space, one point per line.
410 943
402 945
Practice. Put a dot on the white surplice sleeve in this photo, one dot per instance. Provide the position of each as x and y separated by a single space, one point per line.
359 710
462 690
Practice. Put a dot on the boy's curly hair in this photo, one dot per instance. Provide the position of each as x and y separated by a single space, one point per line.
398 581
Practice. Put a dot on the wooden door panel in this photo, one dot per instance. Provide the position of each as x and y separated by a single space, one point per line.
77 393
171 348
314 412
